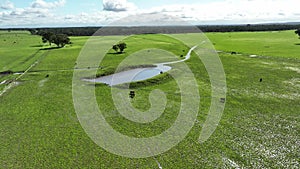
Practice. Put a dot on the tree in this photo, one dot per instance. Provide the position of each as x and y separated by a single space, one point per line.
116 48
298 32
61 40
47 37
120 47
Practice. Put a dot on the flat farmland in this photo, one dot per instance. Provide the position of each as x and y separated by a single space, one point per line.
259 127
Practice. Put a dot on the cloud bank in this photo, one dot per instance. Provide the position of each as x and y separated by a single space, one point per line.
41 13
236 11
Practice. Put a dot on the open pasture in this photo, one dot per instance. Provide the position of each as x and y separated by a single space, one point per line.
259 127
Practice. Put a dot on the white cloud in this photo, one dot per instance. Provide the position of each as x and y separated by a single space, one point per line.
39 13
7 5
44 4
118 5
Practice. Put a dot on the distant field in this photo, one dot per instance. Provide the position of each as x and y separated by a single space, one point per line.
259 128
276 43
18 50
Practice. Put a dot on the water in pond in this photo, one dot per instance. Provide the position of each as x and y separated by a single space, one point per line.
137 74
132 75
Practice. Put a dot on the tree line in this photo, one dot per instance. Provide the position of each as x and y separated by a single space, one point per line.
89 31
249 27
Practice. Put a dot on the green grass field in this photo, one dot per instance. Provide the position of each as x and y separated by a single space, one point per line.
259 128
277 43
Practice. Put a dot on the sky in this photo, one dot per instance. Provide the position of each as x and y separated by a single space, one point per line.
57 13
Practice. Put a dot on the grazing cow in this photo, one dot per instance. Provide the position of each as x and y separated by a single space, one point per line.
222 100
132 94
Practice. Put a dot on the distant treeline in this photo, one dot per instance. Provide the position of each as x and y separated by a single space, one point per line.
249 28
88 31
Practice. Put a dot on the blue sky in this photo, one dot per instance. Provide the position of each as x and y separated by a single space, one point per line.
39 13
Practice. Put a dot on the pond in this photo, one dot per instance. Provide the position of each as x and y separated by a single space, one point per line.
132 75
137 74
